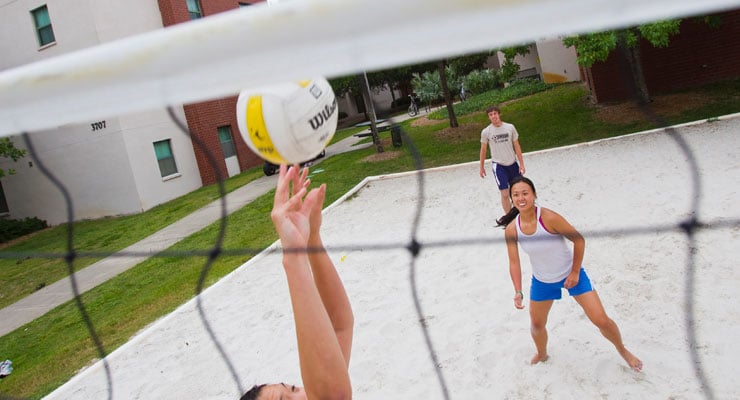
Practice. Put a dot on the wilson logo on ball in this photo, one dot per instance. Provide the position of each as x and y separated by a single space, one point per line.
325 115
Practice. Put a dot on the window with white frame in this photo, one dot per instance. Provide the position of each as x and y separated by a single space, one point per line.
194 9
227 141
44 31
165 158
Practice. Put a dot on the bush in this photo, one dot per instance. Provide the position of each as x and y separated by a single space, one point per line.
480 81
13 228
479 102
427 87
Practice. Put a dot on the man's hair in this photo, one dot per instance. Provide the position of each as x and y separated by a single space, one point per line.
252 393
493 108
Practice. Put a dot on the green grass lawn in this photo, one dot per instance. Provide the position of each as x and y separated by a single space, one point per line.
51 349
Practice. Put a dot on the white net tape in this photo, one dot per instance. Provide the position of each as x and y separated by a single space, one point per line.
222 54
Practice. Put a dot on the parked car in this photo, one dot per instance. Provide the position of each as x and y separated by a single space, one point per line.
271 169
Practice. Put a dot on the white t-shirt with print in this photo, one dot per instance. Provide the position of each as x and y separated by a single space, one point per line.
501 142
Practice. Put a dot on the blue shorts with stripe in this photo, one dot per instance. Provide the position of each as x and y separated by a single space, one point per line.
504 173
541 291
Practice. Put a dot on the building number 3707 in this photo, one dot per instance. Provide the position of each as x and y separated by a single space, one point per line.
96 126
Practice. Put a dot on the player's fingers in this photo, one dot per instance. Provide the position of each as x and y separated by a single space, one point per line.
295 203
281 192
297 180
321 196
311 201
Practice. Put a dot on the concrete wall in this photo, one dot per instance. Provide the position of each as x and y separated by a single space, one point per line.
108 165
557 63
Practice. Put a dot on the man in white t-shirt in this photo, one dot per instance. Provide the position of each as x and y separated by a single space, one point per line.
503 140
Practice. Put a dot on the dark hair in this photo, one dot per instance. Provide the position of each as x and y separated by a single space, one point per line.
493 108
253 392
506 219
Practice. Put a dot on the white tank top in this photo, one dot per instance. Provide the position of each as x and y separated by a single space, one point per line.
550 255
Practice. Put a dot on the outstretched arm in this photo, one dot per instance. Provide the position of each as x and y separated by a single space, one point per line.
328 282
323 365
515 268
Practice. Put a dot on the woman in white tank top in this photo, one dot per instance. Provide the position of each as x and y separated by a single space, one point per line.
542 234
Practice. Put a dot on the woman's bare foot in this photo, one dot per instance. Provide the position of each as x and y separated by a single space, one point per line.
539 358
632 361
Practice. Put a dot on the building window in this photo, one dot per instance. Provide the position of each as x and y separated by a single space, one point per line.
166 160
43 25
227 141
3 203
194 9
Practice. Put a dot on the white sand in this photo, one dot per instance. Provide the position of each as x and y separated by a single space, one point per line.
639 182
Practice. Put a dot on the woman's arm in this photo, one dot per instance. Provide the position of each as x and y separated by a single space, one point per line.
515 268
328 283
323 365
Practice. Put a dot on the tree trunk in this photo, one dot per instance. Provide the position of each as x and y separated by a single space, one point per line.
370 110
446 94
634 61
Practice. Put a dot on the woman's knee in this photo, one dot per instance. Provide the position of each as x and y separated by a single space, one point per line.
538 324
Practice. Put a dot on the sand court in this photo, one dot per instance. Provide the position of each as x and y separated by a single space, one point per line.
627 196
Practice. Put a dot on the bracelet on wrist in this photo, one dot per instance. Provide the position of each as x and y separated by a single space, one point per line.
519 292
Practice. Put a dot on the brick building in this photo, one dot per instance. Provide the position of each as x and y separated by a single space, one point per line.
698 55
212 123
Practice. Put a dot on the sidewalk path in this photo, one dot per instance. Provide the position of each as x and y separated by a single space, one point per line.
42 301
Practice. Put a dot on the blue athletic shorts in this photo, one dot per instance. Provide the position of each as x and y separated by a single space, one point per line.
541 291
504 173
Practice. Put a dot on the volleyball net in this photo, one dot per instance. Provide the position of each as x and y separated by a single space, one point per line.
259 45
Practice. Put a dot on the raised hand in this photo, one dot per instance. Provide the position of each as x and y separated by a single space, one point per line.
290 211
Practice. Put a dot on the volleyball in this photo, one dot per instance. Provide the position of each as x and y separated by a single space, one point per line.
288 123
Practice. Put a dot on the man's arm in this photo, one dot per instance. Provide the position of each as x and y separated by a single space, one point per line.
519 157
483 150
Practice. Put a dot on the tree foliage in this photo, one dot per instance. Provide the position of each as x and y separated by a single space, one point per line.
8 150
596 47
510 69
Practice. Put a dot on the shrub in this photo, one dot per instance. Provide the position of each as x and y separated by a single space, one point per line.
479 102
13 228
427 87
480 81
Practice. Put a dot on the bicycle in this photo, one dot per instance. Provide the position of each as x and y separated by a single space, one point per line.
414 107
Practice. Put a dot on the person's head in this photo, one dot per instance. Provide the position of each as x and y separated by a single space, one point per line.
522 194
277 391
494 115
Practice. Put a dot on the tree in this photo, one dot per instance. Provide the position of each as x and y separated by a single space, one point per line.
596 47
510 69
442 70
369 110
395 78
8 150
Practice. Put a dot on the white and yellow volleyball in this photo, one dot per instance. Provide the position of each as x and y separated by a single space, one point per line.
288 123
